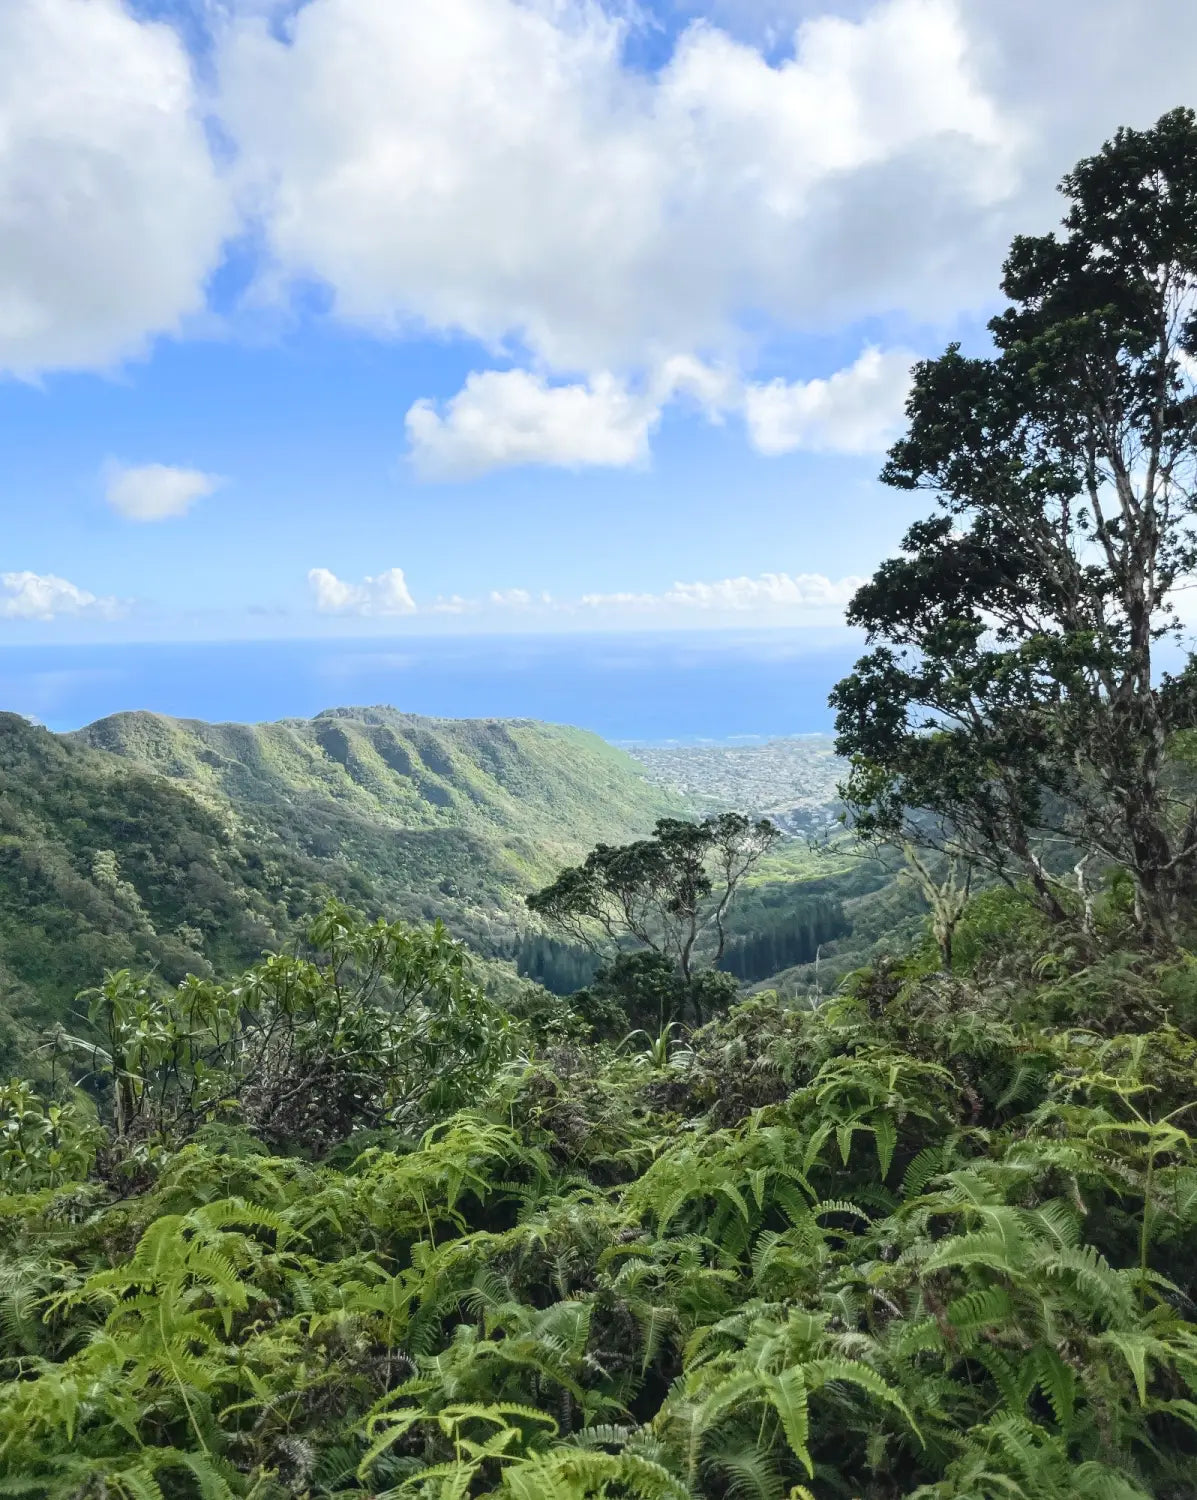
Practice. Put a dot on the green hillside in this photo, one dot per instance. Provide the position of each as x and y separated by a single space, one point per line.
470 809
150 842
103 866
918 1221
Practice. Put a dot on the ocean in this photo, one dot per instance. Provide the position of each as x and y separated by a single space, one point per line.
648 689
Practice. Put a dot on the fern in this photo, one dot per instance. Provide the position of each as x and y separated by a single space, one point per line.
873 1285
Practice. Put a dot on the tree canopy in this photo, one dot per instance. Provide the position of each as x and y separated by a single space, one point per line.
1014 707
669 893
375 1025
656 912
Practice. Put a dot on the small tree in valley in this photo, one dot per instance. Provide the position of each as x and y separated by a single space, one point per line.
669 893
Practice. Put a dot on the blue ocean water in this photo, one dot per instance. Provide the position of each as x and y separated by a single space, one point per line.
647 688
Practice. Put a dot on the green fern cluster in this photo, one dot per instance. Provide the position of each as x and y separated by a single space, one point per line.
903 1245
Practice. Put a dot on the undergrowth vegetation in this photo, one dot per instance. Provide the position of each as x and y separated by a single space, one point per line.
934 1238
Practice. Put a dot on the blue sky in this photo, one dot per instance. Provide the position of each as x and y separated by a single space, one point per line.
380 317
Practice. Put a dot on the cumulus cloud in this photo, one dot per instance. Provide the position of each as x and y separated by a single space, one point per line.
856 410
713 388
44 596
769 591
111 210
386 594
497 167
500 167
155 492
505 417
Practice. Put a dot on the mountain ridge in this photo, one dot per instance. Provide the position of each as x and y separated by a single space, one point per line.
518 779
147 842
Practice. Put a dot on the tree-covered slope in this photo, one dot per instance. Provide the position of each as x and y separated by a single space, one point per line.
103 866
154 843
470 808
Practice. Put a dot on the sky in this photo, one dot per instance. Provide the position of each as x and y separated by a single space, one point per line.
374 317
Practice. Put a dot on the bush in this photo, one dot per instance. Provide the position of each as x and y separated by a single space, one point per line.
380 1025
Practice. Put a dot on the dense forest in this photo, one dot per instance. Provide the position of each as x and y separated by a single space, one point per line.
773 926
355 1218
781 929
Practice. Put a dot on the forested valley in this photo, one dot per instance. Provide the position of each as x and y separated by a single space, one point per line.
439 1110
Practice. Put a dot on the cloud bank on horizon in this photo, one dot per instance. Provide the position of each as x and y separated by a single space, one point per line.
626 218
38 596
818 599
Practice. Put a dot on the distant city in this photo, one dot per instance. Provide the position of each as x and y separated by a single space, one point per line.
790 780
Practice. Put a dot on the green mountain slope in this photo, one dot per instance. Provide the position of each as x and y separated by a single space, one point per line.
103 866
143 841
472 809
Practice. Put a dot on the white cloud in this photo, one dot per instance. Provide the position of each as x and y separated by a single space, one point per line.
769 591
501 418
521 599
499 167
785 590
808 598
496 167
504 418
44 596
111 211
714 388
856 410
154 492
501 599
387 594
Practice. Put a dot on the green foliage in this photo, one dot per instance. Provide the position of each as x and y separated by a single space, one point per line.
149 843
560 966
998 922
881 913
1012 701
645 990
920 1241
380 1025
43 1143
104 867
670 893
353 1229
449 818
778 925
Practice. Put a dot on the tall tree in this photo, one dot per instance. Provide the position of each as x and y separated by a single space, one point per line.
1013 703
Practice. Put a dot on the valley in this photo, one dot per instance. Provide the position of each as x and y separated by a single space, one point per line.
186 847
447 1103
182 847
